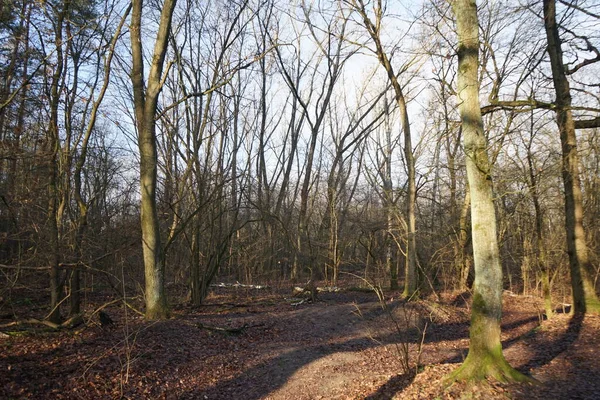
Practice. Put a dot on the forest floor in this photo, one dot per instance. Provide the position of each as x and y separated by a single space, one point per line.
343 346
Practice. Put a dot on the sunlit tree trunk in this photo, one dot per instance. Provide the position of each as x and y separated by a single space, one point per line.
584 294
145 103
485 356
373 28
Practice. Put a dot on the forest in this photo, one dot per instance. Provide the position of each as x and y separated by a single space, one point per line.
248 199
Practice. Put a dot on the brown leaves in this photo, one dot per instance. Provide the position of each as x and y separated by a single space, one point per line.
321 350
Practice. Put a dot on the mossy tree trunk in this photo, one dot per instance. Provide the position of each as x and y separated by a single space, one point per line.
584 294
485 358
145 103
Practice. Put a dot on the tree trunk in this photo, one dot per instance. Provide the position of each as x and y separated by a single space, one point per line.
388 195
82 206
485 356
462 259
410 277
539 244
145 103
584 294
195 269
54 213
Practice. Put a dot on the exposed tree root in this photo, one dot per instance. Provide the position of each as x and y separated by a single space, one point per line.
476 369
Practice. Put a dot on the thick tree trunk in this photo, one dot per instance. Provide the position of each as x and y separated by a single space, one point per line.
485 356
584 294
156 304
145 103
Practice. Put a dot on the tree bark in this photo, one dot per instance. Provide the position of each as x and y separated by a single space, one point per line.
461 258
388 195
53 144
539 244
584 294
145 104
485 356
410 277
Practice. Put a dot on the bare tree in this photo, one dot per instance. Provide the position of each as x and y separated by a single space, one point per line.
145 96
332 48
584 293
373 28
485 356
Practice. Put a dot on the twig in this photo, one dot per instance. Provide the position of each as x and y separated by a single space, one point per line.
234 331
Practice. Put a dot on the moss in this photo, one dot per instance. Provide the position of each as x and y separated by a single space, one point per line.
592 305
410 296
490 365
485 358
17 333
360 289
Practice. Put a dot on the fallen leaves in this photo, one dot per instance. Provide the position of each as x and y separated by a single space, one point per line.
320 350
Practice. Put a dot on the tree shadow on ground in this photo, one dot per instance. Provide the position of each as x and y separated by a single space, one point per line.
462 352
547 352
164 350
267 377
394 385
575 374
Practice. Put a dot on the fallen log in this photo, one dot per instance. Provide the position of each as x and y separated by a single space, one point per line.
68 324
239 285
320 289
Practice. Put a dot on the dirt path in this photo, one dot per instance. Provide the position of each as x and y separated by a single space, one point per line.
313 351
342 347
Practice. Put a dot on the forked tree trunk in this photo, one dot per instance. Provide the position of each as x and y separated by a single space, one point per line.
145 103
82 206
584 294
485 358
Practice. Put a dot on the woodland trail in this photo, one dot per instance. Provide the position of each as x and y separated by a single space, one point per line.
344 346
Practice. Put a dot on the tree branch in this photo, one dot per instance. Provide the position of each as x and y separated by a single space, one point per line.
523 105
